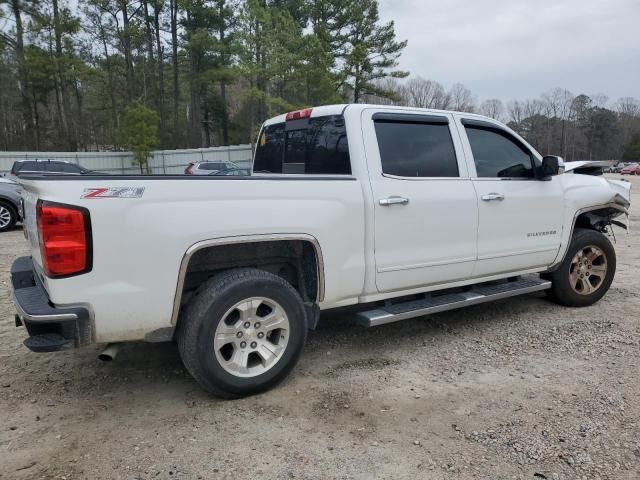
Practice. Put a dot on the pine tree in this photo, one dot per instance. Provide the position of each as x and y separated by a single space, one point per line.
371 50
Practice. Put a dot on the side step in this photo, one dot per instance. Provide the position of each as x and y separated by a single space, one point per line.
485 292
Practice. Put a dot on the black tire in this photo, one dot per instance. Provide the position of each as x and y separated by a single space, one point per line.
13 216
561 291
205 311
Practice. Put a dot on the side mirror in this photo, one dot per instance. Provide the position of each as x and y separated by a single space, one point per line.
551 166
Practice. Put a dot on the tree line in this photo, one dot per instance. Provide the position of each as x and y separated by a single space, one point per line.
577 127
108 74
208 71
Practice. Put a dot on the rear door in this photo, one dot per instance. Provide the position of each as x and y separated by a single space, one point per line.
425 206
520 216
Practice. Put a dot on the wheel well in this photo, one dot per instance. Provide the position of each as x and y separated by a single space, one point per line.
598 220
294 260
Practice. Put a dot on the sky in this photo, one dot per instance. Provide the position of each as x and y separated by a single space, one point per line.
517 49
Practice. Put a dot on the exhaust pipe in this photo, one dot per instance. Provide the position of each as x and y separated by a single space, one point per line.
110 352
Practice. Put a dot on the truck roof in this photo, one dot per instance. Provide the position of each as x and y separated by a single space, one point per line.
338 109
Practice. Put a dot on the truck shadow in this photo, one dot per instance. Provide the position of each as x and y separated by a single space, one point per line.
146 375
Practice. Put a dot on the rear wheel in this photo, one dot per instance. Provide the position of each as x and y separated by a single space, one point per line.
242 333
8 216
587 271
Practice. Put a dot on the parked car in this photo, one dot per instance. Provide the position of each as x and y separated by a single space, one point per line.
237 172
631 169
401 212
9 204
22 167
617 168
207 168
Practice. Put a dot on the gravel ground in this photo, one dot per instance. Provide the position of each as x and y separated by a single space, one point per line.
520 389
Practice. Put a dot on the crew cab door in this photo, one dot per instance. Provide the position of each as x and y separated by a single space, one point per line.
520 215
425 206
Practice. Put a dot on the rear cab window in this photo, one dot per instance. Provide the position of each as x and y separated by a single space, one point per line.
311 146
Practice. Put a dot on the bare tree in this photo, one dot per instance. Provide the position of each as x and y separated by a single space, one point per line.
426 94
599 100
559 104
461 99
492 108
628 106
515 112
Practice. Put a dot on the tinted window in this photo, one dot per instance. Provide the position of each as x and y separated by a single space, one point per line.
496 154
270 150
317 146
66 168
212 166
27 167
416 149
54 166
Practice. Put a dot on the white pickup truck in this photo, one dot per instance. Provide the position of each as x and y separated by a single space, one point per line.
402 211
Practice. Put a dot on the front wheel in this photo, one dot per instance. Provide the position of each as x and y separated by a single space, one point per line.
242 333
586 272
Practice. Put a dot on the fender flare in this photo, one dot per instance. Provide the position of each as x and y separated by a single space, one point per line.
245 239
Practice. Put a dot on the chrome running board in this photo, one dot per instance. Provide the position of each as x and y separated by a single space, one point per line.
434 303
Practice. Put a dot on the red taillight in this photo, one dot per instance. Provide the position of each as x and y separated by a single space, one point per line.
306 113
65 239
189 169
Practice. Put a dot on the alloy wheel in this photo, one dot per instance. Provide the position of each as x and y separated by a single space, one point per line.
251 337
588 270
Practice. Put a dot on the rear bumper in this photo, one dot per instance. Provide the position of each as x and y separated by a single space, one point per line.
50 328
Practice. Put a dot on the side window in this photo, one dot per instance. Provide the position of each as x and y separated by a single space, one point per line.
498 155
212 166
55 167
31 167
318 146
410 149
70 168
270 150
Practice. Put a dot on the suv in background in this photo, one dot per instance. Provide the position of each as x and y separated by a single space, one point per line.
208 168
20 167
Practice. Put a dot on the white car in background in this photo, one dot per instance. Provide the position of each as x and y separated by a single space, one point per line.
208 168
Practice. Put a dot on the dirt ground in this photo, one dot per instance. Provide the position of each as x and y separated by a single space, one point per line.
520 389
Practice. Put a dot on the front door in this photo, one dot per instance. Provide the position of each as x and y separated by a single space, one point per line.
426 214
520 216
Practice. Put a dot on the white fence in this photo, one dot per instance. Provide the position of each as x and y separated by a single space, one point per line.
162 161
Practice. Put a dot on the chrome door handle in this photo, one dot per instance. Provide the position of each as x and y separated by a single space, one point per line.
492 196
393 200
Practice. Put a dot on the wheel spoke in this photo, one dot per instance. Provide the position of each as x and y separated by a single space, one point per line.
593 254
274 320
573 279
268 351
587 288
598 270
240 358
248 309
223 339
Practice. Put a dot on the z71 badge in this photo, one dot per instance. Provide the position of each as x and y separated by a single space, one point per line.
113 192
